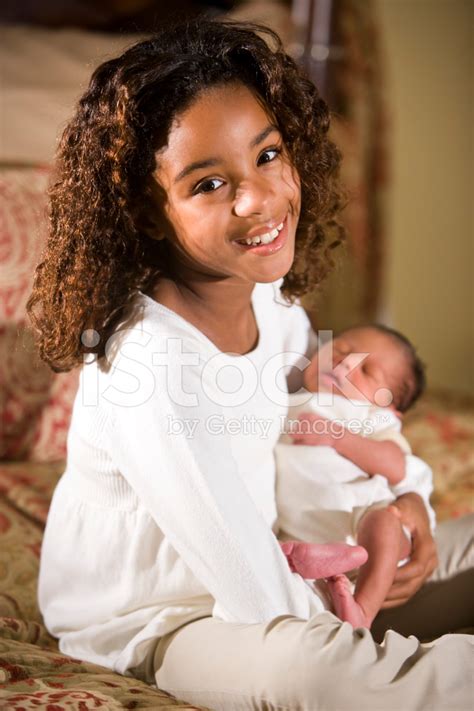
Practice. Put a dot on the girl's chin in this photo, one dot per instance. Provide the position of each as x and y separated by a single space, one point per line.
273 268
268 277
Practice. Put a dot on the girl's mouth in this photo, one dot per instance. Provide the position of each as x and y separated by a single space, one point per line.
264 250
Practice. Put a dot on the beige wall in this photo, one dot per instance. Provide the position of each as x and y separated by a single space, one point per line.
429 295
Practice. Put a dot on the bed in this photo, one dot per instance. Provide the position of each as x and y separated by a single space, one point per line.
35 404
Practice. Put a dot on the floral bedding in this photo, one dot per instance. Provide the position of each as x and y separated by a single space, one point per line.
34 674
440 429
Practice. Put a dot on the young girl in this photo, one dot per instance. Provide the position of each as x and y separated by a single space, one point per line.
196 188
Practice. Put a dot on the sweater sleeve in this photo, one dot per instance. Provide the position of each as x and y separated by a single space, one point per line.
188 480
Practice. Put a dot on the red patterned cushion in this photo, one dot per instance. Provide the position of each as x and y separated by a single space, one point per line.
35 405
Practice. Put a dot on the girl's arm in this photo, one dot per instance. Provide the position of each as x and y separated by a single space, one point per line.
188 479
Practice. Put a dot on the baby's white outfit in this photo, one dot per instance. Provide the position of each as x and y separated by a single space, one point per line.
322 496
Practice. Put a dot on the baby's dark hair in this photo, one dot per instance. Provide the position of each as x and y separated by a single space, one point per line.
104 239
414 385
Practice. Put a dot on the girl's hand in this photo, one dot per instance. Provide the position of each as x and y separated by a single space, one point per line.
315 430
423 558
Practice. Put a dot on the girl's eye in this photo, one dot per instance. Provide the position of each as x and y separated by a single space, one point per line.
206 185
277 152
201 188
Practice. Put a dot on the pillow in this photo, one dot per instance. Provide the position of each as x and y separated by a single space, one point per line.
35 403
44 72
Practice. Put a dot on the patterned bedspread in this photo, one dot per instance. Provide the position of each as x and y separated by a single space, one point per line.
34 674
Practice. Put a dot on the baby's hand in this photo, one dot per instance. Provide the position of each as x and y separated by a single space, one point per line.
315 430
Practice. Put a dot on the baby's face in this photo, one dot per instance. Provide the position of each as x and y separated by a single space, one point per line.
360 364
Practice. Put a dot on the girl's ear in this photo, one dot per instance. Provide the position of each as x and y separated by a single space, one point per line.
150 215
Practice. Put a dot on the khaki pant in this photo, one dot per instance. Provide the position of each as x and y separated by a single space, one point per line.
322 664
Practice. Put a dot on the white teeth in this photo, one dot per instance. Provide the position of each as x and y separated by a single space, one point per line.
270 236
265 238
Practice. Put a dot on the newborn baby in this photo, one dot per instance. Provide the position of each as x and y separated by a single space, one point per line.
342 460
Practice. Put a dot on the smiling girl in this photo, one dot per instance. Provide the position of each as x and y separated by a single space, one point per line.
196 198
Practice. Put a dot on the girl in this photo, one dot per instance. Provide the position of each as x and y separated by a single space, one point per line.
196 199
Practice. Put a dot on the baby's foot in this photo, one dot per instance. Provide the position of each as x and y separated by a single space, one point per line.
322 560
345 605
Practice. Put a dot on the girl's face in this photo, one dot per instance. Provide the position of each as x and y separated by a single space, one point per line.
227 177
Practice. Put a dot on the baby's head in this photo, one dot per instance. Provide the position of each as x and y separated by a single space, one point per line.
373 363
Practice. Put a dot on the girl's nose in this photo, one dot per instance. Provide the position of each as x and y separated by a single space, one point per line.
255 197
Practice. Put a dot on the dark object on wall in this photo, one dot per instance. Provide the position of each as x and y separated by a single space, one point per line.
338 43
107 15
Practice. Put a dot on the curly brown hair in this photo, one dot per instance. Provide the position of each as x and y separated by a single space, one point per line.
102 246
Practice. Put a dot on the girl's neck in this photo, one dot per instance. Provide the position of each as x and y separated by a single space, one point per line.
220 308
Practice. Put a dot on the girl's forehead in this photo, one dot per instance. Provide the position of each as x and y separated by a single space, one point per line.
221 119
228 106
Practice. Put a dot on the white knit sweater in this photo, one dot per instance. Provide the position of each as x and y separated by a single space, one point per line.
165 511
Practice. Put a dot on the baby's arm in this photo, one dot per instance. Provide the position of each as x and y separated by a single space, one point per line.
372 456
